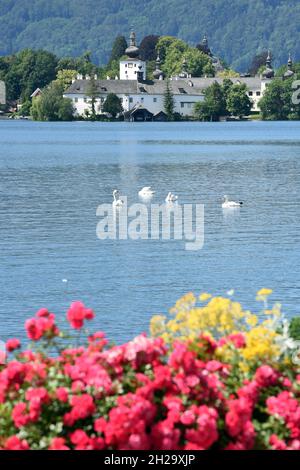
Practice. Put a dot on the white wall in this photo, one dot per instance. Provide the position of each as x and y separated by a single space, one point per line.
129 69
154 103
2 93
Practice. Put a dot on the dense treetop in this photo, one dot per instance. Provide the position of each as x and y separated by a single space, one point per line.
237 29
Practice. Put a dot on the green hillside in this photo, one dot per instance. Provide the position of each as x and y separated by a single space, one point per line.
237 29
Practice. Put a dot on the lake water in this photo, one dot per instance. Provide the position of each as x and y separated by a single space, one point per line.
54 175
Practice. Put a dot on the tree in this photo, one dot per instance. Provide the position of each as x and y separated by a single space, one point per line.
29 70
65 77
214 105
169 104
277 103
118 49
51 106
92 93
238 102
228 73
112 105
258 61
174 51
148 47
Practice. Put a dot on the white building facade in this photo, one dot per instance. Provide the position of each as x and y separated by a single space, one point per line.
2 93
136 92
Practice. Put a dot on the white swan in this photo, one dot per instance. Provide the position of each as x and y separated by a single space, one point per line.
146 192
171 197
117 202
228 204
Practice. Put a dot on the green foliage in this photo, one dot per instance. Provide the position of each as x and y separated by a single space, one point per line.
294 328
223 100
64 77
238 102
112 105
169 104
236 29
258 61
148 47
174 51
214 105
81 64
277 104
92 93
118 49
27 71
51 106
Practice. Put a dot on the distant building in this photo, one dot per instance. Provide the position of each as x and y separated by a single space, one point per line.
143 99
2 93
36 93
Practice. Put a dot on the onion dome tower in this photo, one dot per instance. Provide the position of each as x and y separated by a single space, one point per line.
158 73
132 68
289 73
132 51
184 69
269 72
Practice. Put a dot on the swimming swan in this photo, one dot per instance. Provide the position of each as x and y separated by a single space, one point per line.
147 191
117 202
228 204
171 197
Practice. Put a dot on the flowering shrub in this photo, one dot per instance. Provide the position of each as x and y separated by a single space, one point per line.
240 335
183 390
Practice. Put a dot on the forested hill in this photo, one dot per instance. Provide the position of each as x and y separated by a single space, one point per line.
237 29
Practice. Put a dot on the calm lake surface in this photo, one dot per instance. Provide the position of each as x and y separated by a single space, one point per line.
54 175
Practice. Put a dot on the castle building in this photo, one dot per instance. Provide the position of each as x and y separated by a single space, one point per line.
2 93
143 99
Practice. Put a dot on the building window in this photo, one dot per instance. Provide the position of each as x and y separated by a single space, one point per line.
189 105
125 65
130 100
130 66
76 100
182 105
142 100
85 100
154 100
258 93
250 93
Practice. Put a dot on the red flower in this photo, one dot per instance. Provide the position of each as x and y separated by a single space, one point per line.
276 443
42 324
81 440
265 376
19 415
62 394
82 407
12 344
77 313
14 443
58 443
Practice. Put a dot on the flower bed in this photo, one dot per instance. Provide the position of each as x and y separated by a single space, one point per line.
197 383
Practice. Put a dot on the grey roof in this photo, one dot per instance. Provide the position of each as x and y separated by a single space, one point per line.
188 86
203 83
131 87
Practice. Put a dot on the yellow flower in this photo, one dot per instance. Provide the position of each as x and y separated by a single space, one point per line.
263 293
205 296
251 320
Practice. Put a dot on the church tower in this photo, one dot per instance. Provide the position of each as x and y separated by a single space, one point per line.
132 68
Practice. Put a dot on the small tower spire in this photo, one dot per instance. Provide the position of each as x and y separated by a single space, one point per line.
289 72
158 73
269 60
269 72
